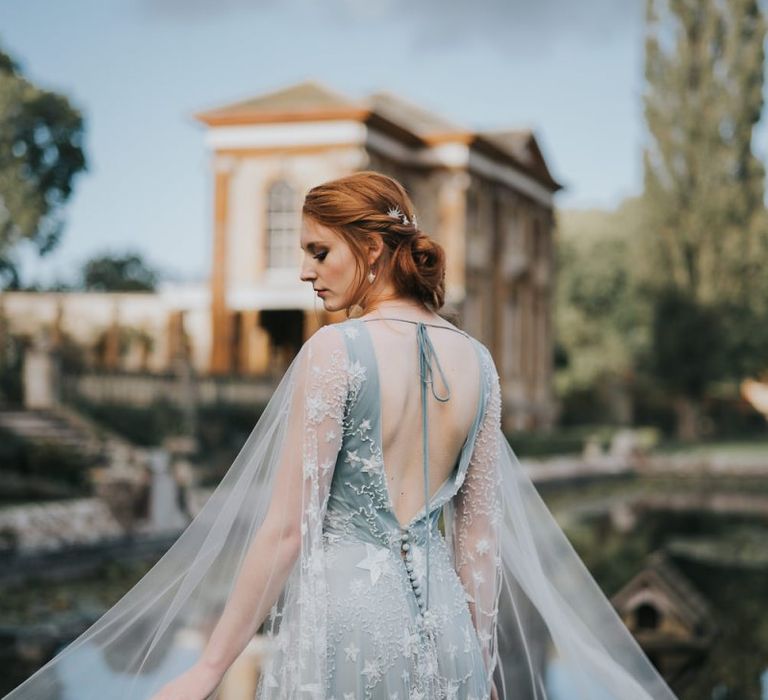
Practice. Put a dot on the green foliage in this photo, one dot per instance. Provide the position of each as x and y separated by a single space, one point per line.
119 273
687 349
142 426
11 357
703 185
41 460
40 153
706 242
602 315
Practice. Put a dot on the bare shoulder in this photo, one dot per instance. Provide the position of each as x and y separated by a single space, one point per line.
326 342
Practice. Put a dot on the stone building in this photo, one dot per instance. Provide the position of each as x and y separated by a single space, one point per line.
487 197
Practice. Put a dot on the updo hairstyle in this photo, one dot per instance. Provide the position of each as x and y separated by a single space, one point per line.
367 204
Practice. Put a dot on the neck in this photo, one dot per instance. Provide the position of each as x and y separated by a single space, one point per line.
403 307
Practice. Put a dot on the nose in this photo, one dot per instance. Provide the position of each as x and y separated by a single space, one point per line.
307 273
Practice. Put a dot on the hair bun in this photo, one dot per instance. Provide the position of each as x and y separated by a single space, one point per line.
424 250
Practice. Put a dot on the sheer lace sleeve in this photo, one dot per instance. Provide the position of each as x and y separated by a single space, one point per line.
314 434
314 430
292 529
477 520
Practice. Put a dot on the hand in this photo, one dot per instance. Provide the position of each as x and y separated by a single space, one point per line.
196 683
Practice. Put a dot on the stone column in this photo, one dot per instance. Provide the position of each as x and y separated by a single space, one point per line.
221 323
452 213
40 375
112 341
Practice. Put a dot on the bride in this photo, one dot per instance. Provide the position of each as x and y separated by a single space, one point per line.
376 526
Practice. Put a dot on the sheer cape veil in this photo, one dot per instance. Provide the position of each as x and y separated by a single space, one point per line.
537 610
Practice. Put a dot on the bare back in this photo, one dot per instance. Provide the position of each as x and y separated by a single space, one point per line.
449 422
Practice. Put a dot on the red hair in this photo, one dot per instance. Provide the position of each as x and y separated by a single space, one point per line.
357 207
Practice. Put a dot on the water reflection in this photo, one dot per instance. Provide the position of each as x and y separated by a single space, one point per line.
87 671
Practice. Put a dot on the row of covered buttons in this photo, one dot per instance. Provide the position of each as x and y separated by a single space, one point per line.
406 547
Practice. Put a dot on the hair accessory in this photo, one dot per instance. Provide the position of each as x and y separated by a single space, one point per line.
371 276
395 213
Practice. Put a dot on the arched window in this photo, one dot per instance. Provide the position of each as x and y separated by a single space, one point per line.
282 226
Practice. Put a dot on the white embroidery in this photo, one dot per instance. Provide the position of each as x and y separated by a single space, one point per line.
351 544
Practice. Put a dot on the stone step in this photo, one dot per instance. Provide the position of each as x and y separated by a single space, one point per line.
44 426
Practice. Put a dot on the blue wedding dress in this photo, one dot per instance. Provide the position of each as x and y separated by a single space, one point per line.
479 587
397 613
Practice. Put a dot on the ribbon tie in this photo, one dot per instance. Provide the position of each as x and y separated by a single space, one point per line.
427 351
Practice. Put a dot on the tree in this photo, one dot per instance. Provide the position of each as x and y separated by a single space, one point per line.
40 154
119 273
602 319
707 237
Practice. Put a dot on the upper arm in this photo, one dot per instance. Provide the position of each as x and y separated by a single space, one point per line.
477 499
313 433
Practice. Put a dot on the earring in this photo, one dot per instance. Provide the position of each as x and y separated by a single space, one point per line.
371 276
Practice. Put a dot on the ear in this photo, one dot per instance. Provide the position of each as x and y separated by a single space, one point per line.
375 248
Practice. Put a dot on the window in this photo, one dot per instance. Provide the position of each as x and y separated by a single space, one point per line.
282 226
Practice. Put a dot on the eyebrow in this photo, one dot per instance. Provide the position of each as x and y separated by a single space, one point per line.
311 247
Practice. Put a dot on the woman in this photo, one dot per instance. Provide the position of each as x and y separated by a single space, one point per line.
376 526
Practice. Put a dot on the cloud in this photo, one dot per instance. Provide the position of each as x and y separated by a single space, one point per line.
514 24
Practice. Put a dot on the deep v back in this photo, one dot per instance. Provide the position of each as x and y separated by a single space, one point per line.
414 394
360 488
359 503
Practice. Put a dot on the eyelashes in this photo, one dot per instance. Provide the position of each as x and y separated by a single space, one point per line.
320 256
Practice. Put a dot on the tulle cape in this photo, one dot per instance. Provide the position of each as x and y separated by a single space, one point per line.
555 635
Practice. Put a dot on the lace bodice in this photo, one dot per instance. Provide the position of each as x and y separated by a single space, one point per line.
430 599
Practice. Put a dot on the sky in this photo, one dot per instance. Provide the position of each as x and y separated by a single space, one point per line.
140 69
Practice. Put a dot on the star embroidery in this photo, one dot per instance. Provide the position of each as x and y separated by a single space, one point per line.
482 546
370 669
330 435
369 465
376 561
365 424
351 652
352 456
310 470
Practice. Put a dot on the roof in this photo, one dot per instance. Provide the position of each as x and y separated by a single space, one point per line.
305 99
662 575
312 100
420 121
522 146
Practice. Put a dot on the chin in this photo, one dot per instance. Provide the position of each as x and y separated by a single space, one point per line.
330 306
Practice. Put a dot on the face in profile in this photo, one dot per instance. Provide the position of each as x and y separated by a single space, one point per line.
327 264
